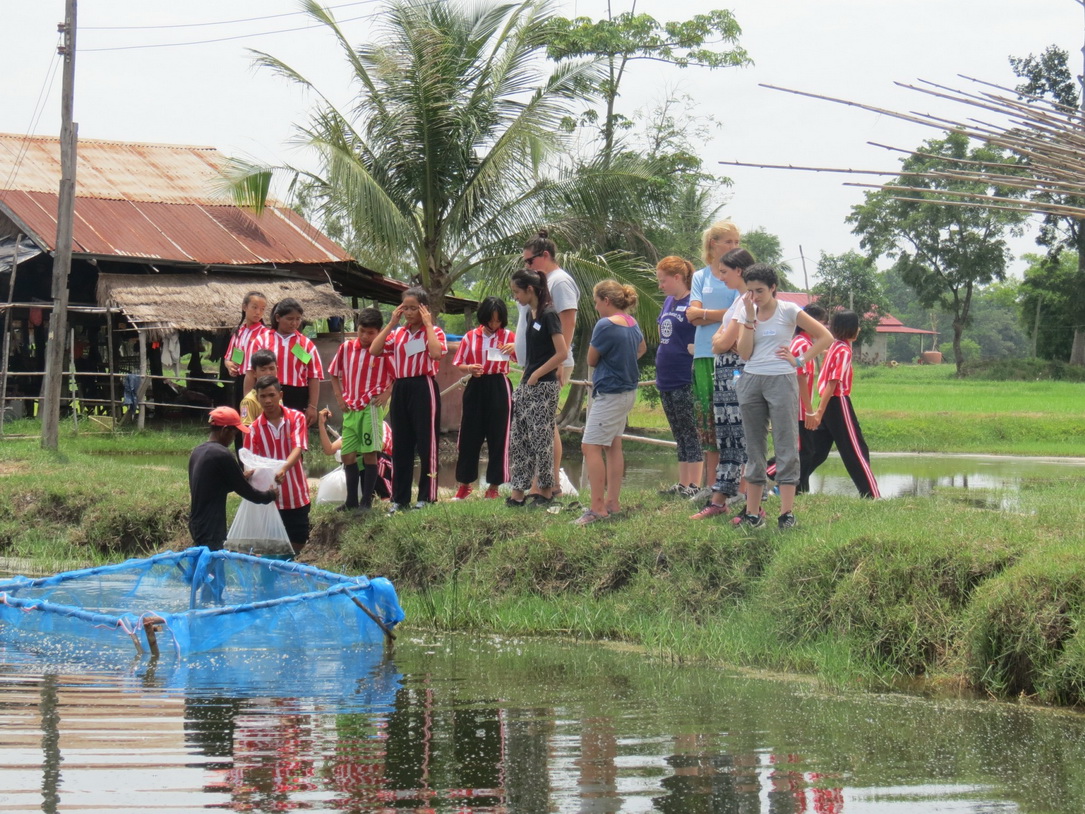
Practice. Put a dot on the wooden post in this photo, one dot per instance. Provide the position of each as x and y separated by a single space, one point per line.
112 367
141 392
72 384
62 260
7 334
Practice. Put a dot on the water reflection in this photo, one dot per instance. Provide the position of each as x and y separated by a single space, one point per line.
465 725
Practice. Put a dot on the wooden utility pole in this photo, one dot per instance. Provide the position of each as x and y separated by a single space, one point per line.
62 258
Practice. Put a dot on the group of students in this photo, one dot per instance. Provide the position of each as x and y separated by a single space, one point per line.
733 362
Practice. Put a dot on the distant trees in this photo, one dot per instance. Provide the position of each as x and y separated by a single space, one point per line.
942 252
849 280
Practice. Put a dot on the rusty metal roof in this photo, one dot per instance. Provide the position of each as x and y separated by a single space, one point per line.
151 201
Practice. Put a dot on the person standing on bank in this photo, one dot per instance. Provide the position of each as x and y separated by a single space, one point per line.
415 410
674 372
709 300
768 390
540 255
487 399
535 403
238 352
616 345
213 472
281 433
297 360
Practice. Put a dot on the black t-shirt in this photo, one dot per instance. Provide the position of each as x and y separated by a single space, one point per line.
540 342
213 472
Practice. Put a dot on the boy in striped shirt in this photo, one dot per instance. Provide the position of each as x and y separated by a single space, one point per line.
282 433
361 382
835 419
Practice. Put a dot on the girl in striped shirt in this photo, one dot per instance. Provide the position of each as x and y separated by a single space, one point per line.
487 399
835 420
297 360
281 433
238 354
415 409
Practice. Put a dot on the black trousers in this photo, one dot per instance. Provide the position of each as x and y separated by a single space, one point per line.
487 405
414 414
840 426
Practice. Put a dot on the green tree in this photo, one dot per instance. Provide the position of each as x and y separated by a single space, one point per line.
436 167
1048 300
850 281
628 37
996 322
1048 76
942 251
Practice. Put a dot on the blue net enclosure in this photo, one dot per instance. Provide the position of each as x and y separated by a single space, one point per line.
199 600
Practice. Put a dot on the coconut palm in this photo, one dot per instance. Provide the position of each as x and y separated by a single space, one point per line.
437 169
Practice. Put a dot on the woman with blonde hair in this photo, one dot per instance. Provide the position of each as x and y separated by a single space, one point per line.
616 345
674 372
709 300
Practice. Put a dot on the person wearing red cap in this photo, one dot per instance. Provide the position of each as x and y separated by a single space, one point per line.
213 472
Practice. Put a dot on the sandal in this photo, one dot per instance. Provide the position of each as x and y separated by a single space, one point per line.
539 500
513 503
589 517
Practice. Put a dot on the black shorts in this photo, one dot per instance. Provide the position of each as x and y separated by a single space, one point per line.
297 525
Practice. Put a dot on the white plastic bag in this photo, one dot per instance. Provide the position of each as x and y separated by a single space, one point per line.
257 528
332 487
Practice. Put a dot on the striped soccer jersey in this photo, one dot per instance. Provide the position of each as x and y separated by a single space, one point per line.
800 344
241 340
837 367
409 354
278 442
295 356
363 376
475 350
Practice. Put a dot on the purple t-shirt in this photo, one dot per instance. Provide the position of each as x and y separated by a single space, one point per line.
674 363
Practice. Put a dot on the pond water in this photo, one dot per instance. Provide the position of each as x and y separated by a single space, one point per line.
461 724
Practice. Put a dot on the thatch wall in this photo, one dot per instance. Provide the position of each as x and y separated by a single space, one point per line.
161 303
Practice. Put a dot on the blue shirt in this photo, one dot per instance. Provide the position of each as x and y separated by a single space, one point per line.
674 363
714 296
617 345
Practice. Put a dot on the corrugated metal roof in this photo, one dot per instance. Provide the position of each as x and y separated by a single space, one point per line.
151 201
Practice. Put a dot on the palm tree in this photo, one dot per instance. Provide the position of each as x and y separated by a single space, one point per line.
438 165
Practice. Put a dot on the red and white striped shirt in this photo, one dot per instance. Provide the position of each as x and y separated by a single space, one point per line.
241 340
475 350
410 356
800 344
295 356
837 367
362 375
278 442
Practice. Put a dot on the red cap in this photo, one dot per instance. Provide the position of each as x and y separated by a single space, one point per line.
226 417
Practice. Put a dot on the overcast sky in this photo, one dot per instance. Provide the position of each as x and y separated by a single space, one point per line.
208 94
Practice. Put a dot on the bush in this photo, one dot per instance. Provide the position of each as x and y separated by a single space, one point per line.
969 350
1024 370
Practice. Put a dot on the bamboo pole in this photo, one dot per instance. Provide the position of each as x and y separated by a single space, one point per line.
143 382
112 367
7 333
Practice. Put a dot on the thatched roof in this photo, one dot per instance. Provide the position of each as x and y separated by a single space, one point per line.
161 303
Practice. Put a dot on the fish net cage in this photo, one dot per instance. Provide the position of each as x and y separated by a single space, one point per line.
200 600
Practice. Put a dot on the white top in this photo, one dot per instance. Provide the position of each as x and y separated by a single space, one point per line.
768 336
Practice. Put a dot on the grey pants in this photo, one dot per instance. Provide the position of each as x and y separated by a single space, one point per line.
775 398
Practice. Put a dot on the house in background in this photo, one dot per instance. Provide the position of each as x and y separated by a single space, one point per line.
871 351
160 256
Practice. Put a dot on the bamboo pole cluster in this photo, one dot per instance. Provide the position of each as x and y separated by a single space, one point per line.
1047 138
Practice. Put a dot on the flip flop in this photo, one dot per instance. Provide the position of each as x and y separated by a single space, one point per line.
589 517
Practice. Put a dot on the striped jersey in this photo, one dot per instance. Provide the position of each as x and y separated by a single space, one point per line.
241 340
800 344
278 442
409 354
295 356
837 366
475 350
362 375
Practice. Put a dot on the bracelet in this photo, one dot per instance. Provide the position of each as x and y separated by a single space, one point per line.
747 327
800 360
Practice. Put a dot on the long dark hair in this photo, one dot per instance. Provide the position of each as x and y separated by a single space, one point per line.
738 259
526 278
245 304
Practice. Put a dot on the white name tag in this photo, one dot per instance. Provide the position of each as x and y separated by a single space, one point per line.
768 332
415 346
495 355
537 326
707 289
681 308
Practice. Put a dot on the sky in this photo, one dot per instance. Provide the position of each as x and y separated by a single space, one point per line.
132 85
